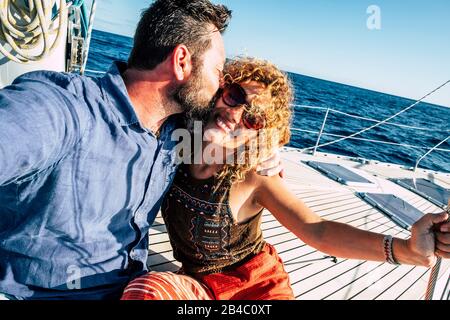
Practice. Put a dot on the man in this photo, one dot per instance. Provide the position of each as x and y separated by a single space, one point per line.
85 163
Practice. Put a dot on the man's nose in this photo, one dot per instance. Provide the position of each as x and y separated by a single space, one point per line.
221 82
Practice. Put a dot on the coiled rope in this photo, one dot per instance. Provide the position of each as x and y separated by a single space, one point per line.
27 24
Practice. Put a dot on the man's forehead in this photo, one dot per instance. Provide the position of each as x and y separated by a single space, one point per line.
219 44
215 54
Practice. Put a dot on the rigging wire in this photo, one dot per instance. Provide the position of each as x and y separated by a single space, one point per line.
381 122
369 119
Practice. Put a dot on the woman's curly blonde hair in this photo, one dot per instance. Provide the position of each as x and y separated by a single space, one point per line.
277 114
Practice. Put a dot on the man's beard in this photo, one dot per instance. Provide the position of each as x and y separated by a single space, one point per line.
187 96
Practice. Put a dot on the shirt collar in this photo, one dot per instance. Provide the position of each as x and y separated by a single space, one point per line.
116 92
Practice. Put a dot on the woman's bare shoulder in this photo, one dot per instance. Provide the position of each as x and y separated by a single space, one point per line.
258 180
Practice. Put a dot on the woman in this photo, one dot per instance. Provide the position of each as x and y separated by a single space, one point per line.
213 210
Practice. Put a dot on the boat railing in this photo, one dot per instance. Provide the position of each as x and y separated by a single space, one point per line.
328 111
429 151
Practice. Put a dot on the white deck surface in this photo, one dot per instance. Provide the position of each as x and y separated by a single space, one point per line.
315 278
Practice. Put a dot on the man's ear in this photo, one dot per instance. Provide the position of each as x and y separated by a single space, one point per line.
182 62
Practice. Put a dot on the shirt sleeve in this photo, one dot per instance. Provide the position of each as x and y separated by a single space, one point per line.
39 125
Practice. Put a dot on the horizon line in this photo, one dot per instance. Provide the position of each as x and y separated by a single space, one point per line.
322 79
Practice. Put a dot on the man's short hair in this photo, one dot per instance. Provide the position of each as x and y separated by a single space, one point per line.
169 23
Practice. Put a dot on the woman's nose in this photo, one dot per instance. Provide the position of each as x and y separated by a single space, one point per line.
236 113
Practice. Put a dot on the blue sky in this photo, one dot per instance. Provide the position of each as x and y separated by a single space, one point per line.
329 39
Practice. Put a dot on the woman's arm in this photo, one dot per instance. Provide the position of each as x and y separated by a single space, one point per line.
340 239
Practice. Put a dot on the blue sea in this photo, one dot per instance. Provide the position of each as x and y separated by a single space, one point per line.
322 94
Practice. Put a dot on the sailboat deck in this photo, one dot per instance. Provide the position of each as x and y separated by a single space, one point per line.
313 275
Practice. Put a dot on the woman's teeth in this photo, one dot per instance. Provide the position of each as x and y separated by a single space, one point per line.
221 124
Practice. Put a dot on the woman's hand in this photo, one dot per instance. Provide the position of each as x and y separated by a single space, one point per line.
430 238
272 166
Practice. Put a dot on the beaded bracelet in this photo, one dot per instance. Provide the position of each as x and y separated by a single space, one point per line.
387 246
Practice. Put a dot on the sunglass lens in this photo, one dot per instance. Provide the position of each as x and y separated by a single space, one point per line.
254 122
234 95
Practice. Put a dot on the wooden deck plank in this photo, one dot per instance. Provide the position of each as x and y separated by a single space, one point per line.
158 238
314 284
389 279
312 195
416 289
401 284
159 257
170 266
373 271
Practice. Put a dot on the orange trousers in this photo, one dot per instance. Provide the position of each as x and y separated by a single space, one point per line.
261 278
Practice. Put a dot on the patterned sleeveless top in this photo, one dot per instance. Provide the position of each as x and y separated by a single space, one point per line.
203 233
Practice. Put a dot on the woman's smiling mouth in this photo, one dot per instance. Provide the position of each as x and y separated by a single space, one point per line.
223 124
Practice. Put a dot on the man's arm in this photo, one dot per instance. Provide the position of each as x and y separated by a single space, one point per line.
38 126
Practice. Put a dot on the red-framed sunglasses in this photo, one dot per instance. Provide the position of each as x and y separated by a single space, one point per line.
233 95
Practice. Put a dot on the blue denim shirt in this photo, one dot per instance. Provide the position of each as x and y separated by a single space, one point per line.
81 182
